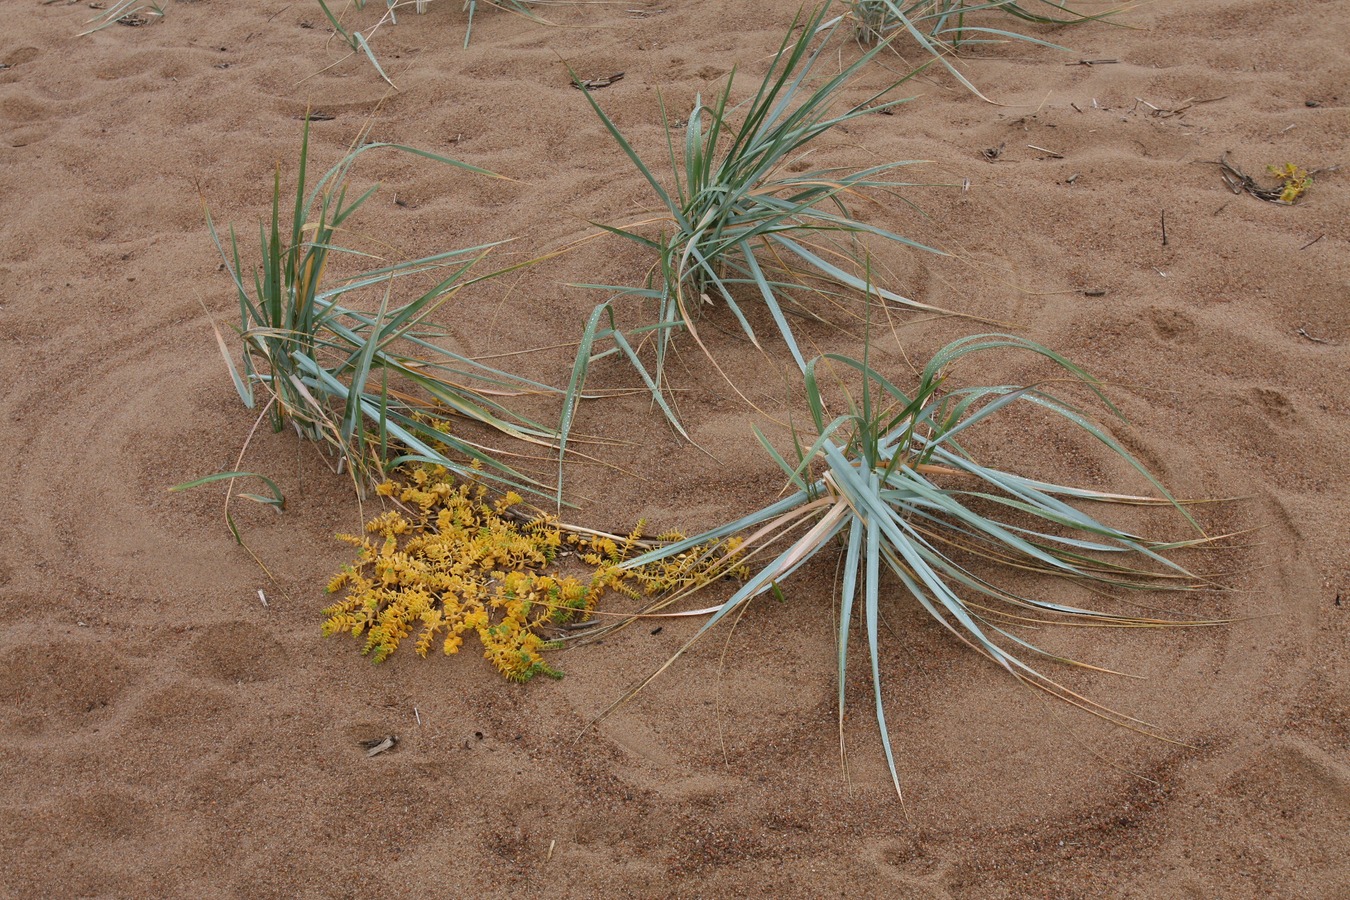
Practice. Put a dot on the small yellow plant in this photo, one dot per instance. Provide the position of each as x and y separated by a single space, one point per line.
449 561
688 571
1296 181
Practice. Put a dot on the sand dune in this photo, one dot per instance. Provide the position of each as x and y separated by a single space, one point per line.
169 736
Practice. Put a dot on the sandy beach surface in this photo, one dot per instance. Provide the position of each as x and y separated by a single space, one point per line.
166 734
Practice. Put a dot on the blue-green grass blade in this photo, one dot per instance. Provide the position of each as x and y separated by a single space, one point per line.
1128 541
853 281
360 372
1067 514
868 504
626 147
722 532
793 472
871 605
242 385
273 271
370 55
630 235
847 595
277 500
962 418
653 384
427 154
475 406
781 568
813 395
575 385
874 376
648 293
337 26
938 53
944 501
1030 493
382 424
405 429
979 343
716 281
1095 496
907 497
998 32
1092 429
111 16
399 270
298 217
940 561
695 162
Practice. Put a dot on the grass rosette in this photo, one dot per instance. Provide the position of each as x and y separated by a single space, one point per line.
377 388
942 28
359 41
738 217
896 491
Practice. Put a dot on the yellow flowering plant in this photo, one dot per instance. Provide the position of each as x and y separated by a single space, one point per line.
449 560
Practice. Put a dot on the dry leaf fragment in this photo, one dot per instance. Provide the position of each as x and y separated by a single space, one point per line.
594 84
376 746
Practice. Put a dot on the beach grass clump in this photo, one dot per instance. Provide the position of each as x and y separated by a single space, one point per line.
888 485
132 13
359 41
519 7
943 28
739 223
374 382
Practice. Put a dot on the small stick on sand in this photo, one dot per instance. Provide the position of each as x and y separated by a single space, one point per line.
379 745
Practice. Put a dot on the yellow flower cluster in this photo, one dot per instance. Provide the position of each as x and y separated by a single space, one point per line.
1296 181
692 569
458 564
452 563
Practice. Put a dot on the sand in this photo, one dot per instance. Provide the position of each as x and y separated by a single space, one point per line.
166 734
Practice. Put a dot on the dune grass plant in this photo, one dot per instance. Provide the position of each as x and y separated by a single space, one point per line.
126 12
889 484
738 224
378 387
359 41
519 7
943 27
